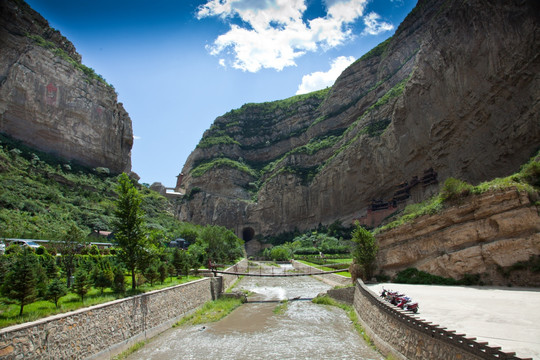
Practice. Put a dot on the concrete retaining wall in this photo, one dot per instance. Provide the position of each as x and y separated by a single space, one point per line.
105 330
404 336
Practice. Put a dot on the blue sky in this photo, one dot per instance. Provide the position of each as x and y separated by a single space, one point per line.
178 64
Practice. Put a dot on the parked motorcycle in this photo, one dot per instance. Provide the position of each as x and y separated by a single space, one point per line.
400 300
407 304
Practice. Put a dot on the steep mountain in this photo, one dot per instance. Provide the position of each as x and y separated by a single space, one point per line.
51 101
453 93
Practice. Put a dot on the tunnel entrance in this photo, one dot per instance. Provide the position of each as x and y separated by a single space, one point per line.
248 234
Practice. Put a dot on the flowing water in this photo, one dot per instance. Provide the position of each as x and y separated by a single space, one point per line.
253 331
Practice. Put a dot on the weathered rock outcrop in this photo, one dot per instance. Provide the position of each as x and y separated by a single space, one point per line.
486 234
455 89
52 102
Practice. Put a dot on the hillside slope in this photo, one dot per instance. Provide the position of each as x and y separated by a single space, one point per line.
42 196
455 89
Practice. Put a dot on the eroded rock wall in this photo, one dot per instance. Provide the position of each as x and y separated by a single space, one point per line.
455 89
483 235
50 103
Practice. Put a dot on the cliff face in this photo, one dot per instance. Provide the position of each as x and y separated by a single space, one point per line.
455 89
52 102
486 234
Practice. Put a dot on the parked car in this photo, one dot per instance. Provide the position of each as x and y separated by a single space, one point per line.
28 243
179 243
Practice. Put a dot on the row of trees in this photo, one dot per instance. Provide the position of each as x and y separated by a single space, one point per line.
136 247
26 275
313 243
362 247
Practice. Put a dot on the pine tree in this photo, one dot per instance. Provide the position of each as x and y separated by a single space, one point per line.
102 274
365 250
151 274
55 291
71 241
162 270
81 284
129 225
20 282
119 283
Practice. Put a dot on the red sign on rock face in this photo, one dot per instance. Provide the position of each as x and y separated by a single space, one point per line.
50 96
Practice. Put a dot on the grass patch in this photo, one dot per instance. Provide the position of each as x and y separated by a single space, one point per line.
328 301
281 308
130 351
234 284
326 268
9 311
211 311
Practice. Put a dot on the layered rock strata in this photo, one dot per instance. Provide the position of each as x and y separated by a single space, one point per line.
486 235
52 102
455 89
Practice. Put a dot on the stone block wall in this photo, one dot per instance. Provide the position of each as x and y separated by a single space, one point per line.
228 280
345 295
105 330
405 336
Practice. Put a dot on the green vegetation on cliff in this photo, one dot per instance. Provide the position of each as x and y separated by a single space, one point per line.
89 72
254 119
257 127
455 190
288 105
202 168
219 139
376 51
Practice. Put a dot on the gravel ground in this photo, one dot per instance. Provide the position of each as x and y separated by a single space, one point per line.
506 317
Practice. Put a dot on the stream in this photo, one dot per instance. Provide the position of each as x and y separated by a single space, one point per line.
253 331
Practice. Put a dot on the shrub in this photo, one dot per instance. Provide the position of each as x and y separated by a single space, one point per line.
454 189
119 281
415 276
280 253
365 250
530 172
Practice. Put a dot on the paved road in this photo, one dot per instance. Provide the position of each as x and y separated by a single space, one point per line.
506 317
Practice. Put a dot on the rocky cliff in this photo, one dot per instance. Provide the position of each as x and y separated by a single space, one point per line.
51 101
455 89
486 235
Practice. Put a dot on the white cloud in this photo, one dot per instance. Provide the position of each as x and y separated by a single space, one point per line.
274 33
374 26
319 80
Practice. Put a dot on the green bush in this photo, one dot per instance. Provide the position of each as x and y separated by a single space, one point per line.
454 189
415 276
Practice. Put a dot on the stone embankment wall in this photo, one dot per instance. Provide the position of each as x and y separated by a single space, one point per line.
484 234
105 330
330 279
404 336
